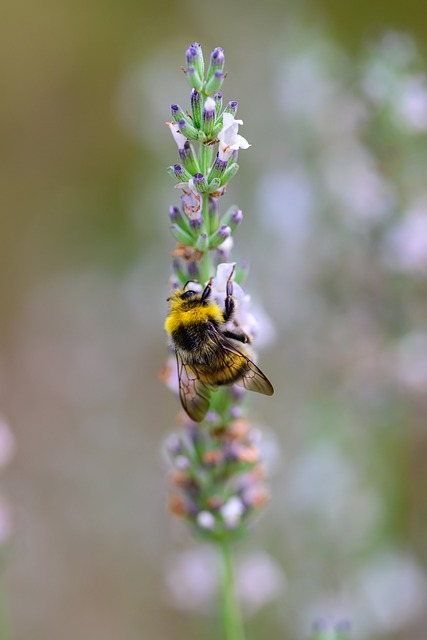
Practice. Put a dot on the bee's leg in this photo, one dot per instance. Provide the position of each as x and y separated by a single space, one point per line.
207 290
241 337
229 300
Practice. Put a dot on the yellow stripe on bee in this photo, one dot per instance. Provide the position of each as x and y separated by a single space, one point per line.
180 317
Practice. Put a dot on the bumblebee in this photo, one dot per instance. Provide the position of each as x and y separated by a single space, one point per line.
207 355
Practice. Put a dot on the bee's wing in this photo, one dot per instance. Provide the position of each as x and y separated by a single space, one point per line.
249 375
194 394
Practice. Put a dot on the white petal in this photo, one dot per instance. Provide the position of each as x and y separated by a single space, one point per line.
177 135
242 142
224 152
209 104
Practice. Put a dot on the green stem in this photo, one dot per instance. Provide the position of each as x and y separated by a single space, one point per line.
205 158
232 620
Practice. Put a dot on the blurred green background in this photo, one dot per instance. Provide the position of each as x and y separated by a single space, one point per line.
334 172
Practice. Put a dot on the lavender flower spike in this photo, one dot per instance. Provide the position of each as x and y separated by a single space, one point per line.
216 477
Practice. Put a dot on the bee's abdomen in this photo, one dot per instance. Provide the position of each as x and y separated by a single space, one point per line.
191 339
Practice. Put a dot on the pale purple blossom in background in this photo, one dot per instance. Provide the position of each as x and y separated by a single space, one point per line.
318 485
305 86
7 443
5 521
193 580
352 177
289 202
405 245
381 80
408 362
382 597
259 580
7 449
411 104
392 588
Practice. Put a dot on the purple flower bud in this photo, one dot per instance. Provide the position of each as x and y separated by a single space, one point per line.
196 101
194 79
200 183
216 63
208 116
237 216
191 54
173 445
212 417
178 114
224 231
180 173
232 107
218 169
195 65
218 102
236 412
233 217
213 205
187 129
217 58
213 212
202 242
189 158
215 82
174 214
231 452
229 173
177 217
196 223
193 270
219 236
176 264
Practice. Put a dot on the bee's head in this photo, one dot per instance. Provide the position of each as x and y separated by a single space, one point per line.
179 295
